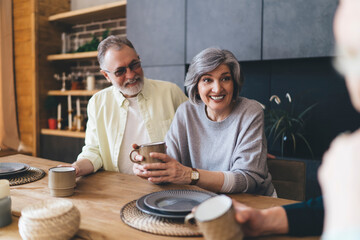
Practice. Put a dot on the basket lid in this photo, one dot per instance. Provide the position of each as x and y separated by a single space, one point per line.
47 209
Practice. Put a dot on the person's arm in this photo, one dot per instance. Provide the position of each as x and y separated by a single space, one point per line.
249 163
90 158
306 218
82 167
174 172
257 222
298 219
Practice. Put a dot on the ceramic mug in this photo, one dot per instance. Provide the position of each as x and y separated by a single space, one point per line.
146 149
62 181
215 219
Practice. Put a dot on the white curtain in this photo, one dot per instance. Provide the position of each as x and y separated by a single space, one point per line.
9 135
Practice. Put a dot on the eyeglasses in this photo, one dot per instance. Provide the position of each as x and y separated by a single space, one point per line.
122 70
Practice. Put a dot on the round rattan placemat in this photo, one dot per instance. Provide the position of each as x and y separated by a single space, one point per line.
31 175
135 218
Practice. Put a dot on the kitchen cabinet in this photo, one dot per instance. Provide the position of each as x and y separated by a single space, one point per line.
157 30
60 147
298 28
174 74
234 25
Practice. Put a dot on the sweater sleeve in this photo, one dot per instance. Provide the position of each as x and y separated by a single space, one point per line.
249 159
306 218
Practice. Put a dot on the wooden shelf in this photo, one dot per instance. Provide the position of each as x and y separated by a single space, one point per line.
63 133
97 13
72 56
72 92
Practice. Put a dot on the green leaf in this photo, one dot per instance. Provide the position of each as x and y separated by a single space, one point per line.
307 110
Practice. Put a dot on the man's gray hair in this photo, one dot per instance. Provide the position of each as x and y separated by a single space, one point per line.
112 41
206 61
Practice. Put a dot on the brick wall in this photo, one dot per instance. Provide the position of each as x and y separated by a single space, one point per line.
82 33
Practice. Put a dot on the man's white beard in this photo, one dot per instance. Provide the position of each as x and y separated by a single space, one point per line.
130 91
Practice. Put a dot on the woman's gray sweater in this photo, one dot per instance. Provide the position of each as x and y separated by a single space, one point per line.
236 145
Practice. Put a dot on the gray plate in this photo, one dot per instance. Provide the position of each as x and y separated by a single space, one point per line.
10 168
176 201
142 207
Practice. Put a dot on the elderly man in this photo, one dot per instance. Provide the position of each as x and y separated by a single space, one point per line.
338 174
133 109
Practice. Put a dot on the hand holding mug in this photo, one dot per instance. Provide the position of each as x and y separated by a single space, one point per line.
215 218
144 150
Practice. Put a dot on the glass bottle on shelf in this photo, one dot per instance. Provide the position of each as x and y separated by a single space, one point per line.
90 81
63 43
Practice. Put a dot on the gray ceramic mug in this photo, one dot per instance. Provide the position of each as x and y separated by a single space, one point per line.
215 218
146 149
62 181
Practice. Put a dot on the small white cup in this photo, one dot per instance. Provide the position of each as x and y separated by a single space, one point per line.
215 219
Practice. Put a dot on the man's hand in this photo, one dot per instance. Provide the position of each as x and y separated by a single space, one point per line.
82 167
257 222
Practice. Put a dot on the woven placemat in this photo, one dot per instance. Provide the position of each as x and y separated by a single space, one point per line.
135 218
31 175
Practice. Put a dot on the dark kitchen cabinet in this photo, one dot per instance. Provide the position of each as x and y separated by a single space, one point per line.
298 28
174 74
231 24
157 30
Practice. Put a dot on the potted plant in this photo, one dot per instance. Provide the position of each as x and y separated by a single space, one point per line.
286 125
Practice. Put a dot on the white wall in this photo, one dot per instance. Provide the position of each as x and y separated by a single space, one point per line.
79 4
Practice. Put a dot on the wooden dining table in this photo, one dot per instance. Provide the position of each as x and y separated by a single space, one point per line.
100 197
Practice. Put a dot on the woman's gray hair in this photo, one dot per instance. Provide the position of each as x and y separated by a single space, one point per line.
112 41
206 61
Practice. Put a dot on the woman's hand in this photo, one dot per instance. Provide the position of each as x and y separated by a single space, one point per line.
169 171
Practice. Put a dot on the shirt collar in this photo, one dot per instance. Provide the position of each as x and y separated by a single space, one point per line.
145 92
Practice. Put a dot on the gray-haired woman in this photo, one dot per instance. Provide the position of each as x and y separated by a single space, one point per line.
216 139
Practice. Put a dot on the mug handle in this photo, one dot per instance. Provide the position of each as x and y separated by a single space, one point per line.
190 219
130 155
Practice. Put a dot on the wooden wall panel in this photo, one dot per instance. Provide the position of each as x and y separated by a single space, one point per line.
24 48
34 39
24 72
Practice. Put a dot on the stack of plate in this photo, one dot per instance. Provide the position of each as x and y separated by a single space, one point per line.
10 168
172 203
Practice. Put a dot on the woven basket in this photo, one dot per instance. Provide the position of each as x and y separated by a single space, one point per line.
50 219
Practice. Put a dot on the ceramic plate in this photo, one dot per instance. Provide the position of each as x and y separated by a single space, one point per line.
142 207
9 168
176 201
